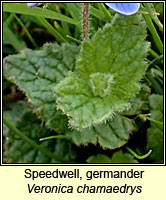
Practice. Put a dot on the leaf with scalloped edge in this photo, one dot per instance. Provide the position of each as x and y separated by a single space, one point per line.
155 132
108 70
117 157
113 134
139 103
36 73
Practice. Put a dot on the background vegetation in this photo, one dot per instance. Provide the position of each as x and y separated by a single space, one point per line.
25 124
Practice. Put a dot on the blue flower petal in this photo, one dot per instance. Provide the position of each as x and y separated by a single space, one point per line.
124 8
31 5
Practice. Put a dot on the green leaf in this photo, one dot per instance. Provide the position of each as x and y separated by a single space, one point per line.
21 8
153 31
65 149
36 72
51 29
14 111
107 73
99 158
155 132
21 152
150 8
111 135
117 157
96 12
12 38
139 103
159 8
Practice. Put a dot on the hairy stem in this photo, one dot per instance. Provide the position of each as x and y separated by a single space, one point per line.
85 21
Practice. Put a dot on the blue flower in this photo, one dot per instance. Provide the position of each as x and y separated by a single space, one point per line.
124 8
31 5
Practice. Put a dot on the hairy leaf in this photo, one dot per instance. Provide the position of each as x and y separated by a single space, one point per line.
111 135
155 132
117 157
36 72
107 73
139 103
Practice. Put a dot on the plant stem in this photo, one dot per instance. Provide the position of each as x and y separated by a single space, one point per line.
74 39
153 53
157 123
136 155
32 143
85 21
55 137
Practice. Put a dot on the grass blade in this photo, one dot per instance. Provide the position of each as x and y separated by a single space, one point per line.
22 8
51 29
12 38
